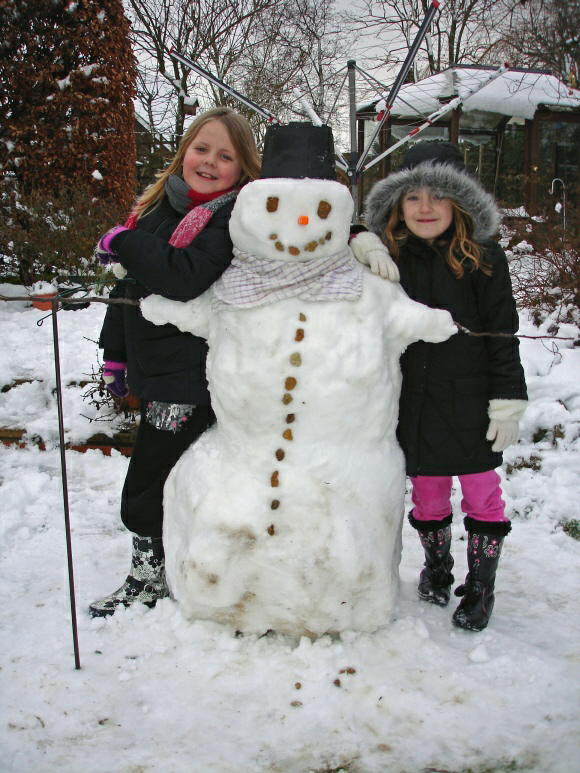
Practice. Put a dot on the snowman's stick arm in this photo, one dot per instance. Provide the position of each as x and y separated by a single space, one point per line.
510 335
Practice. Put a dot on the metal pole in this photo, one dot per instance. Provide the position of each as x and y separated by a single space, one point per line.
352 171
71 581
308 109
423 29
270 117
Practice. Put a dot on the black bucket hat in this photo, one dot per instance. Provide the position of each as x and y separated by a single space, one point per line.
299 150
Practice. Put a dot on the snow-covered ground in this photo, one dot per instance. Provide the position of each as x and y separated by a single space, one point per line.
158 693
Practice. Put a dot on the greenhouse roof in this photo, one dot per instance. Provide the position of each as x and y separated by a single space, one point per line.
517 93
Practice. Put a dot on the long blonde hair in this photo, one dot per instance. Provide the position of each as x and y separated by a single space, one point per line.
459 249
241 137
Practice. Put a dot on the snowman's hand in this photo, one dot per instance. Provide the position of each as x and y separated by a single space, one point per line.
369 250
160 310
189 316
441 327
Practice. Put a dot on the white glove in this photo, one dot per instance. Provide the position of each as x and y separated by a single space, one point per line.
504 425
369 250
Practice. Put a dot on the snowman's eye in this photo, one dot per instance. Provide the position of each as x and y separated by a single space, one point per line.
272 203
324 210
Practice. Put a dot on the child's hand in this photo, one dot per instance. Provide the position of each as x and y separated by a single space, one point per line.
115 378
369 250
104 253
504 425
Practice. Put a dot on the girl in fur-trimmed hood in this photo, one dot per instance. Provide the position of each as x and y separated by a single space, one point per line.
461 400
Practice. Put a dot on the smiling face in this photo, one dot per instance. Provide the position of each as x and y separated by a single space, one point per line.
210 163
291 219
426 215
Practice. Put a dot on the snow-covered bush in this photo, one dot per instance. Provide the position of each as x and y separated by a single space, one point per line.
44 237
545 269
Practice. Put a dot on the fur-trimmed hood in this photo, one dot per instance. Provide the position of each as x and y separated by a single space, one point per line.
445 180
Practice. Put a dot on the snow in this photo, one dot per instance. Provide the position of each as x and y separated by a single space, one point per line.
88 69
63 83
523 246
515 212
159 693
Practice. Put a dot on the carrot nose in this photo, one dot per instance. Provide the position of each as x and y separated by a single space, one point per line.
302 219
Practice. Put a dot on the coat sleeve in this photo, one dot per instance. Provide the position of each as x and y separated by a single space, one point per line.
181 273
498 314
112 337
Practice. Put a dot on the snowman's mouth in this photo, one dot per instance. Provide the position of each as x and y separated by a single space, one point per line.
311 246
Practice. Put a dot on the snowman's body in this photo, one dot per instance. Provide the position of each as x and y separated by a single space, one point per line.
287 514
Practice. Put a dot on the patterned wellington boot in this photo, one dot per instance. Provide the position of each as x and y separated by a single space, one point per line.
484 543
435 580
145 582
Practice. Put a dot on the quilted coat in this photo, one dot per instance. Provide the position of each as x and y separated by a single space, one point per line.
446 387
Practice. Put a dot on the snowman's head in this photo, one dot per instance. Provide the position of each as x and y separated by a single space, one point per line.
292 219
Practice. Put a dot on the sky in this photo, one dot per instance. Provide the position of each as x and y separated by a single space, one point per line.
158 692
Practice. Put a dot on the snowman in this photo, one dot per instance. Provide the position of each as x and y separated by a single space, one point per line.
286 515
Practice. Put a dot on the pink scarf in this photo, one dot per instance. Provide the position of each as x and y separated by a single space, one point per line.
202 208
197 218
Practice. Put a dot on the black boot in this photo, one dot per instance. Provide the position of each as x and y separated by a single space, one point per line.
484 543
435 579
145 582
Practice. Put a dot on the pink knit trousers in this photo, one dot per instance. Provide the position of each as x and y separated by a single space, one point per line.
481 491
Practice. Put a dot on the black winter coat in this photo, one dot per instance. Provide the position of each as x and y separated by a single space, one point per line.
162 362
447 387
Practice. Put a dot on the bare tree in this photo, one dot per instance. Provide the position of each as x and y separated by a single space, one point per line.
257 59
546 34
314 30
263 48
462 33
195 28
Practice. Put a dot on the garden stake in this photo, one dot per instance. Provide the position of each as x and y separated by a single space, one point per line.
71 581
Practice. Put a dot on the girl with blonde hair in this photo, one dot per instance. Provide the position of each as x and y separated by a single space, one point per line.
175 243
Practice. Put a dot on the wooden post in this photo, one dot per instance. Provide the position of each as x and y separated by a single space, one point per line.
499 140
531 165
454 125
